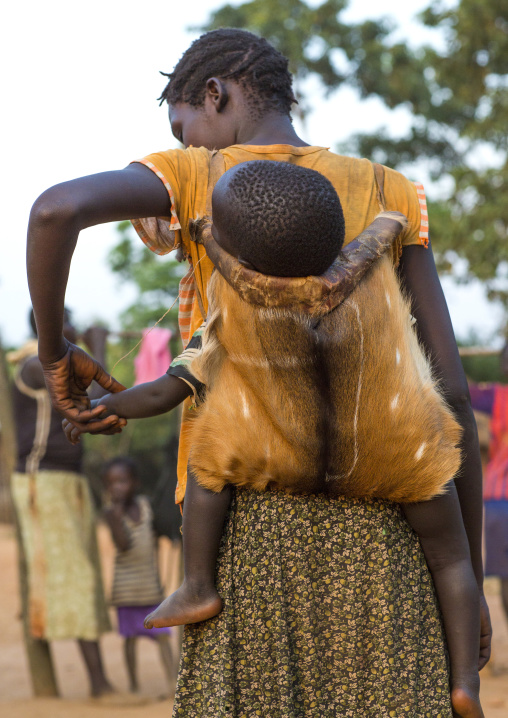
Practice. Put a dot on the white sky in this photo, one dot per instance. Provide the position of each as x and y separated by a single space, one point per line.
79 89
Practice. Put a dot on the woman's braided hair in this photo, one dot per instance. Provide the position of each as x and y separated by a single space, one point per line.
232 54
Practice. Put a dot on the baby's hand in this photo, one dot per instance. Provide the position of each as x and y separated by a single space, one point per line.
112 424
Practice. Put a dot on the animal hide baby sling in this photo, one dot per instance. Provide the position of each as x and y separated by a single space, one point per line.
318 384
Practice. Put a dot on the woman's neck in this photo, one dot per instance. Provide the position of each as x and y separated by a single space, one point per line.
273 128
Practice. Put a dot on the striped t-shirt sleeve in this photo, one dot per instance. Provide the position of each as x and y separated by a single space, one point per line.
423 235
179 367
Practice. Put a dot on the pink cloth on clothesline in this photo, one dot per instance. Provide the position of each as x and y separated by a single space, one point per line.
154 356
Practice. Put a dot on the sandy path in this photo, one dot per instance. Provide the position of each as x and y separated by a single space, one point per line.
15 689
15 692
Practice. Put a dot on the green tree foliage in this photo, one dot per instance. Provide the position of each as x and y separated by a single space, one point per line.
484 369
155 278
312 37
460 115
457 94
150 441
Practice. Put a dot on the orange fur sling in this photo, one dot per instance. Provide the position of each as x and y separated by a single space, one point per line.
318 384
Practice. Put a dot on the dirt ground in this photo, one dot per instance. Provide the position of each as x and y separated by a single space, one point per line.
153 701
15 690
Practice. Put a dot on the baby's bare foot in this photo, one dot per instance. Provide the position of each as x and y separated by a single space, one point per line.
184 606
466 702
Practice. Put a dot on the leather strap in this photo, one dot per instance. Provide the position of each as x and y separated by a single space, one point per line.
215 172
315 296
379 174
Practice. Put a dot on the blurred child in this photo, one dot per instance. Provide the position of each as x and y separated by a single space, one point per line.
136 584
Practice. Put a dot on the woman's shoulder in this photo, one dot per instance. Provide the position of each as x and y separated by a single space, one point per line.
361 166
184 174
177 162
358 183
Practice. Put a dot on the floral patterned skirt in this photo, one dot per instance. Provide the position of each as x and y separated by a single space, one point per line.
57 529
329 611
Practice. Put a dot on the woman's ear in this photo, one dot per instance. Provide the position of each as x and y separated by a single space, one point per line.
217 92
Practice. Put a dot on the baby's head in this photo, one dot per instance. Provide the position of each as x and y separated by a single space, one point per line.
120 476
278 218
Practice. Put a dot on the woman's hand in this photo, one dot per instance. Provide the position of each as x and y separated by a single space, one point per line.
67 380
111 424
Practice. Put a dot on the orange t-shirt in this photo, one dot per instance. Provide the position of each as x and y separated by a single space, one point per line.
185 176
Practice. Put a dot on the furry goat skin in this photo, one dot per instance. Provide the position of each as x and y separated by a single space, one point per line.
341 402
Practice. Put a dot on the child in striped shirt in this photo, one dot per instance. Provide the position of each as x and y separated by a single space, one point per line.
136 585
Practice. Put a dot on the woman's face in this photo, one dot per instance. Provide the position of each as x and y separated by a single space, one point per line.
201 126
214 125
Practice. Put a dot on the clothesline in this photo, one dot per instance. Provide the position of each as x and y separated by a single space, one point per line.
478 351
463 351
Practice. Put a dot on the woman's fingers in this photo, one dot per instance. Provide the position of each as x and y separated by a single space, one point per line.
88 420
68 379
106 381
82 417
71 432
110 425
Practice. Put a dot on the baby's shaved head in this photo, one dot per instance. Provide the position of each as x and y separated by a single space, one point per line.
284 219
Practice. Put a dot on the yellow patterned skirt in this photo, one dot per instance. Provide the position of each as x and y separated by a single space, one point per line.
57 527
329 612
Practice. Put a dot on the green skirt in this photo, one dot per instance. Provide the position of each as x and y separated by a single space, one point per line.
57 530
329 611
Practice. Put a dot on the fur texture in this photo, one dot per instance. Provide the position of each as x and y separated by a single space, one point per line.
310 295
343 404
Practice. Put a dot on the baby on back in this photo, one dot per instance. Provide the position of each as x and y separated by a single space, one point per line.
309 378
340 393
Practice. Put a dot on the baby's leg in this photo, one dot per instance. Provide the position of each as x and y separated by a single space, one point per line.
203 520
440 528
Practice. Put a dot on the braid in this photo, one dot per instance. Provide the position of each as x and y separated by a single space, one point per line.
236 55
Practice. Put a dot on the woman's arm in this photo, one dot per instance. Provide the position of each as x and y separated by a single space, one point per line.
419 278
56 219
